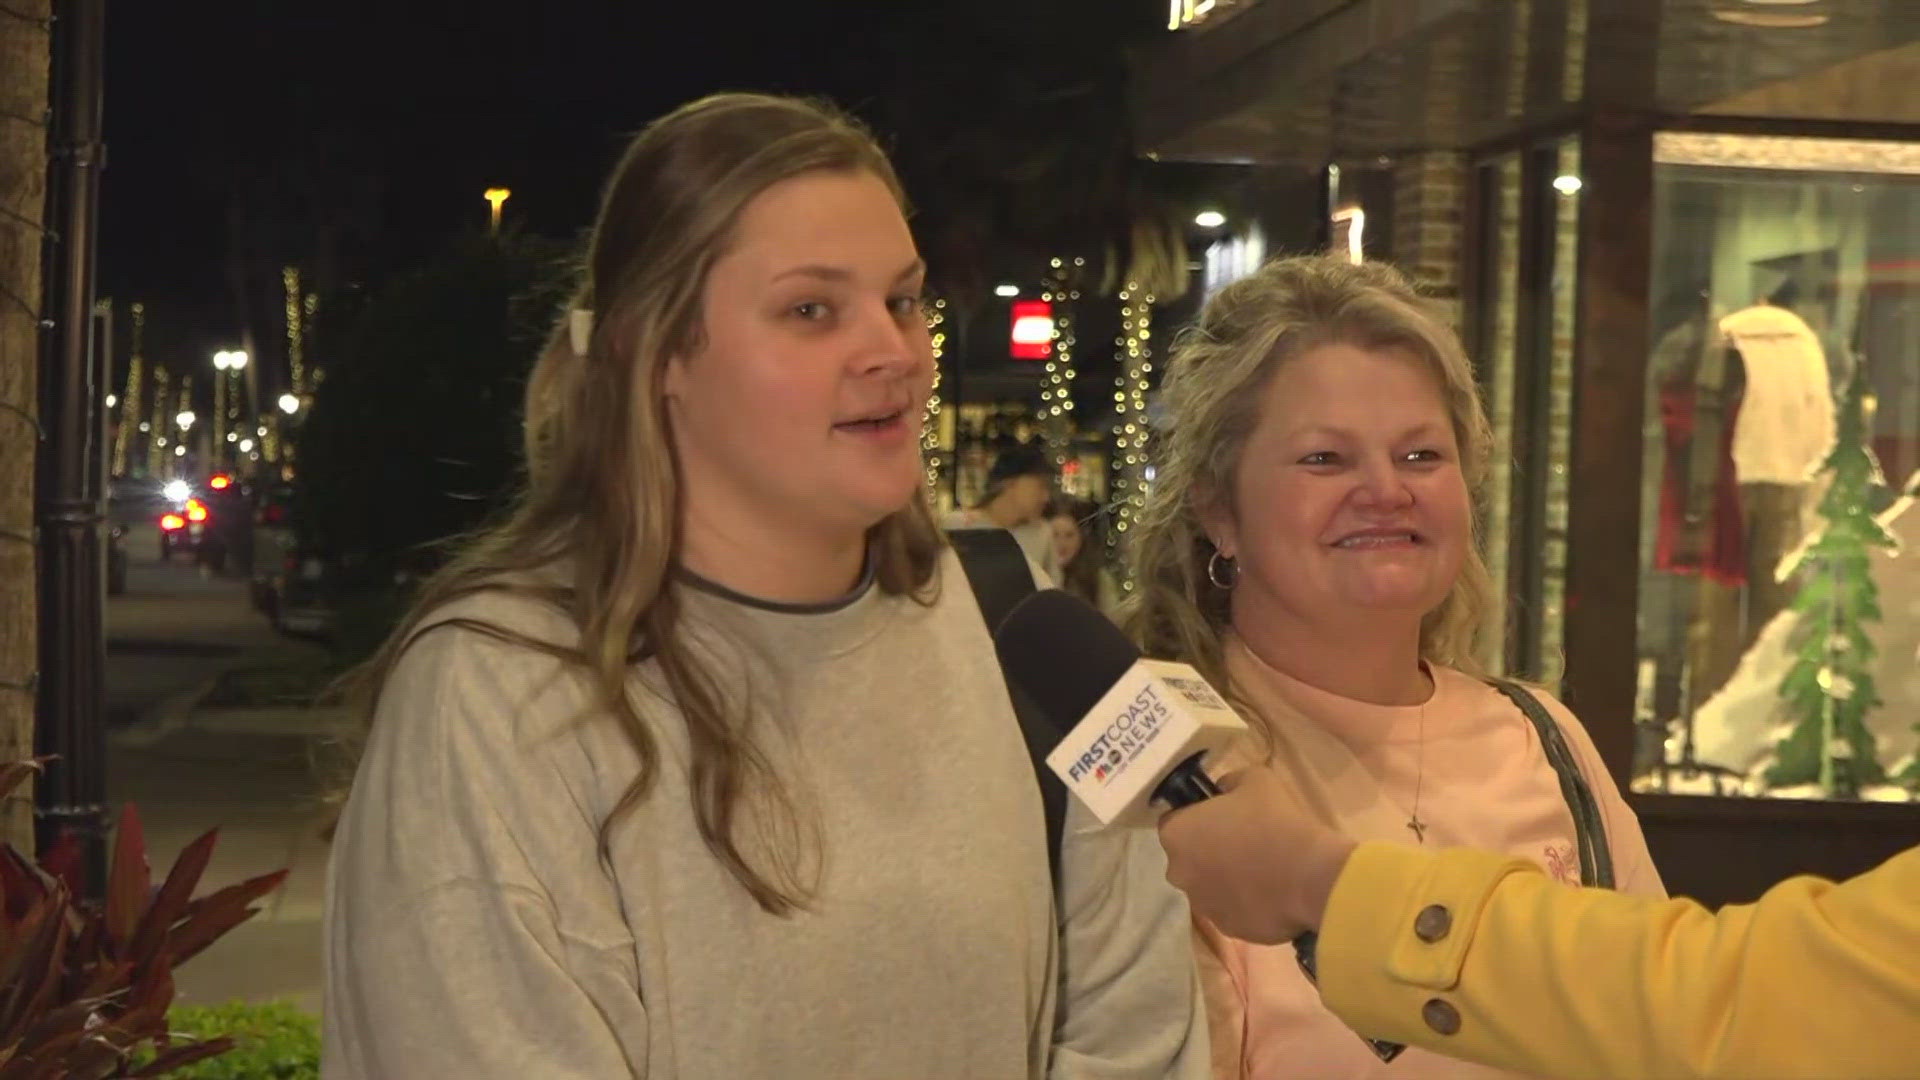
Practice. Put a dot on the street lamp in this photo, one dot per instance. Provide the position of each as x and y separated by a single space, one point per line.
226 399
1210 219
185 419
289 404
496 197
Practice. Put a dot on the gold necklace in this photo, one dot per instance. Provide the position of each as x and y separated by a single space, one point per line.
1418 827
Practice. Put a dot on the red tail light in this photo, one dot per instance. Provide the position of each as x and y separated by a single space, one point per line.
220 482
172 523
196 510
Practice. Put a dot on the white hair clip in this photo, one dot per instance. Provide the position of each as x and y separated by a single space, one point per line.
580 330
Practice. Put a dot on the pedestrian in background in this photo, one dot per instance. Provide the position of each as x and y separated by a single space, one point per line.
1019 488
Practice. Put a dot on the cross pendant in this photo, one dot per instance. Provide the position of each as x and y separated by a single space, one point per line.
1419 828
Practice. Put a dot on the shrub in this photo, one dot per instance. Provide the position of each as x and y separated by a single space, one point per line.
273 1041
85 987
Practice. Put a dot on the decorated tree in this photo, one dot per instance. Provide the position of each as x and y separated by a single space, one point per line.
1829 690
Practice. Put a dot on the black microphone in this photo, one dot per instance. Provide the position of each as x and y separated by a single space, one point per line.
1134 733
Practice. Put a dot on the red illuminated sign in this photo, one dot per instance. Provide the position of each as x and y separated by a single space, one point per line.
1032 329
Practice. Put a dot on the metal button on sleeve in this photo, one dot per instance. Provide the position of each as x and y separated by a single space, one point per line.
1433 923
1441 1017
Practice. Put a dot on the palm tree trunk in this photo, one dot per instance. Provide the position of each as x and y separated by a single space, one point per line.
25 35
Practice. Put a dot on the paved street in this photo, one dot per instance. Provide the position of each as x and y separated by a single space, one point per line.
169 637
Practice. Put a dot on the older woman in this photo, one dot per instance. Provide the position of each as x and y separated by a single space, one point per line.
1310 546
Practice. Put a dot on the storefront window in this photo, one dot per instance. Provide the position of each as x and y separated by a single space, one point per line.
1779 634
1499 351
1550 663
1527 302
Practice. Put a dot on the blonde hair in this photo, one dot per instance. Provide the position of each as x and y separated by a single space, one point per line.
1212 398
602 491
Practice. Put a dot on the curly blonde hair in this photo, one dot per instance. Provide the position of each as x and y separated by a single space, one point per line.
1211 398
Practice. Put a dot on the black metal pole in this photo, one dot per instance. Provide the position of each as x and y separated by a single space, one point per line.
71 710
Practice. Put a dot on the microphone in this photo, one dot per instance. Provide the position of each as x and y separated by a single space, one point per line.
1135 732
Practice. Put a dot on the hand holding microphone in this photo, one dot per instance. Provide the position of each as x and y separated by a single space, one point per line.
1253 861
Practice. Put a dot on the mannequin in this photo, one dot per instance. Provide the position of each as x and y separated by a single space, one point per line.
1747 411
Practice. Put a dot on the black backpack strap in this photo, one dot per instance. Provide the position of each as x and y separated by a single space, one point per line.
998 571
1590 830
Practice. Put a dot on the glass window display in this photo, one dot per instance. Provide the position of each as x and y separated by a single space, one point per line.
1780 588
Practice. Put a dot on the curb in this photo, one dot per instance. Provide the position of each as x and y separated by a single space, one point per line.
291 721
170 715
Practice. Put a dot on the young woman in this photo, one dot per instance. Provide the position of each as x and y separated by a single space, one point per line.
1309 545
701 764
1072 524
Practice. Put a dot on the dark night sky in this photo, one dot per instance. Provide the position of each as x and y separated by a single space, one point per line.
430 102
427 99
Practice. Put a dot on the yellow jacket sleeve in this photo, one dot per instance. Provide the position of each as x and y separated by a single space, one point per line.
1481 957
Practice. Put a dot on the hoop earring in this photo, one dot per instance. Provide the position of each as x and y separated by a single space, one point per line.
1218 562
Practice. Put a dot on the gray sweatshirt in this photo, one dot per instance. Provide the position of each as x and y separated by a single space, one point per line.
475 931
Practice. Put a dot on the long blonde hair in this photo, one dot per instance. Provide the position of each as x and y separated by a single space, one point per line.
1212 399
602 492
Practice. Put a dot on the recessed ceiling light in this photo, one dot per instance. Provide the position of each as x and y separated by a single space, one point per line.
1770 20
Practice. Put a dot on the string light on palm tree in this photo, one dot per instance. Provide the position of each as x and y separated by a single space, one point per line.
310 308
1130 428
156 427
130 404
296 329
1056 394
930 415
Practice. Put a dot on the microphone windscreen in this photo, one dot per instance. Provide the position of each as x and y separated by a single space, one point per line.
1063 654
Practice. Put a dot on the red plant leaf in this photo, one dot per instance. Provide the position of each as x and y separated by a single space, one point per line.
169 905
154 988
219 913
50 972
21 882
14 773
61 1027
24 969
66 862
106 977
128 882
100 1055
182 1055
90 939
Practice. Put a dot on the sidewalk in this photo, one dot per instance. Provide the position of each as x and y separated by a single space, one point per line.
259 776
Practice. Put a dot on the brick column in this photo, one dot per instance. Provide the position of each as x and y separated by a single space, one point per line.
1429 200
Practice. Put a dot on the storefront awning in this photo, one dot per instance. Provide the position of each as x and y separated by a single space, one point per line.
1306 81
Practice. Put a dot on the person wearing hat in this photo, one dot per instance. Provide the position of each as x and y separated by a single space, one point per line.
1019 488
